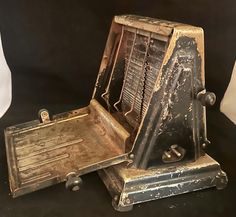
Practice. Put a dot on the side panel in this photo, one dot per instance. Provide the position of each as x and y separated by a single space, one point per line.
175 116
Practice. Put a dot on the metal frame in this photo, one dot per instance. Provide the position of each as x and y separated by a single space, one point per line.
129 186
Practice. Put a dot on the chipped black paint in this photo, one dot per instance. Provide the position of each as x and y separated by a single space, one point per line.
174 115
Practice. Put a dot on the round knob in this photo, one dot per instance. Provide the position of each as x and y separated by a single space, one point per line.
207 98
43 115
73 182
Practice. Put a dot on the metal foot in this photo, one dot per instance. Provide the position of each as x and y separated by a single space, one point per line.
221 180
129 186
120 208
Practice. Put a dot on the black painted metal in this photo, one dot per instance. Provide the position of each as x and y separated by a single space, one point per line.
131 186
174 116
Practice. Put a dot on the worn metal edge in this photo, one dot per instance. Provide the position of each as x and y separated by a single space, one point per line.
162 27
127 192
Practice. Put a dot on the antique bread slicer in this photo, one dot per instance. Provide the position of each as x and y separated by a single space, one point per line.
145 126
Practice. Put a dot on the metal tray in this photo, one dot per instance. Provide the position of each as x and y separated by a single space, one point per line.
81 141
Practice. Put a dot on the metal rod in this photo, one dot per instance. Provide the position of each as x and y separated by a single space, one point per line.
140 78
177 153
167 154
113 68
126 72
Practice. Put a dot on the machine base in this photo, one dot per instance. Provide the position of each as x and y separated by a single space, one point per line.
129 186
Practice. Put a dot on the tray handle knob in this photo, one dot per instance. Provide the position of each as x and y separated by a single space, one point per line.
73 182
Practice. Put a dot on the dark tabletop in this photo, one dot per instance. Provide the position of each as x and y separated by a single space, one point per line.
94 200
54 50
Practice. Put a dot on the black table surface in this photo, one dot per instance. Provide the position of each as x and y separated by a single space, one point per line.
93 199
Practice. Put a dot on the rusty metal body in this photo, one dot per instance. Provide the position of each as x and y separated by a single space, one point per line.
81 141
129 186
145 125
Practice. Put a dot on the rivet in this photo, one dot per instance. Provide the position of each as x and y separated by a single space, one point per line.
131 156
127 200
116 197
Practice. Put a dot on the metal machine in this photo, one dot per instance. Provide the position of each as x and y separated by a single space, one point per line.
145 126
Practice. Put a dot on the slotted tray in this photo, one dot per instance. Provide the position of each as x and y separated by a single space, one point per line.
42 154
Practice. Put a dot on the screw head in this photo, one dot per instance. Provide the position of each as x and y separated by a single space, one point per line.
127 200
116 197
131 156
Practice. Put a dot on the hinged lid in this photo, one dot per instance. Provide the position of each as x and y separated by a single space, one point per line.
81 141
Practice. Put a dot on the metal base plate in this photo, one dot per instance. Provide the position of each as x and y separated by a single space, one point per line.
129 186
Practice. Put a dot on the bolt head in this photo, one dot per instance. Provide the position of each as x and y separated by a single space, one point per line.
131 156
127 200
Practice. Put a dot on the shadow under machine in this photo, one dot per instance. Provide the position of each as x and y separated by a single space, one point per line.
145 126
